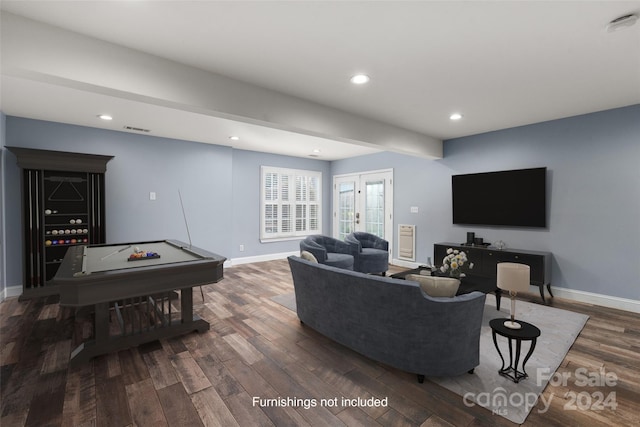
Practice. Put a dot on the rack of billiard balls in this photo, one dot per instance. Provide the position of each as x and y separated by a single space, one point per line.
140 254
57 242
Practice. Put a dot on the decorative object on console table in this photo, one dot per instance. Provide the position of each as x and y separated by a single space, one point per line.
63 205
486 259
514 278
454 262
471 236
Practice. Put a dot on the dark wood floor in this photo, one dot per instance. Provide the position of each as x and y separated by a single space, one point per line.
258 349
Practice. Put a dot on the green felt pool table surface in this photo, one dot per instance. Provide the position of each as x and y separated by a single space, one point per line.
116 257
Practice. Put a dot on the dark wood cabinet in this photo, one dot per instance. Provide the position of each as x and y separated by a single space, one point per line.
486 259
63 205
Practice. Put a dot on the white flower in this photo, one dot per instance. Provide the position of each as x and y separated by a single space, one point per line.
454 261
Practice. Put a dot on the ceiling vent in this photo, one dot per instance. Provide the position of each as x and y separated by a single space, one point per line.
135 129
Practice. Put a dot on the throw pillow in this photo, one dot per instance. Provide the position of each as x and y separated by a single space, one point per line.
436 286
308 256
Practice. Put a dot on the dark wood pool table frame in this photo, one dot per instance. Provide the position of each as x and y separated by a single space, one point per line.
138 289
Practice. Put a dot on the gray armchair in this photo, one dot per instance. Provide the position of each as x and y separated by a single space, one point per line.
372 254
329 251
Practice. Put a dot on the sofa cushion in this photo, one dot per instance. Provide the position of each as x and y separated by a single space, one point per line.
308 256
339 260
436 286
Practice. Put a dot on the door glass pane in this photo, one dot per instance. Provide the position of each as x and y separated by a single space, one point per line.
374 206
346 206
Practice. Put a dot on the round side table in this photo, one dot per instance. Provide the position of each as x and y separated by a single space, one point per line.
527 332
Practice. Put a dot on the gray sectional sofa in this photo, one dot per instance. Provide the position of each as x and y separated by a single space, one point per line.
390 320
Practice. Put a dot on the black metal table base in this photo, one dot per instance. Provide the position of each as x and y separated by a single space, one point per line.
528 332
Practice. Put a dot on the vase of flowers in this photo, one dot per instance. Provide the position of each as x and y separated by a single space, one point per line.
454 262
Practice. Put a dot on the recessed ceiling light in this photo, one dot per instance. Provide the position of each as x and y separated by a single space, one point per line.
316 150
234 138
455 116
360 79
105 117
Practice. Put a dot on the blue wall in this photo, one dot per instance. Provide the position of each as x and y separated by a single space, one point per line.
219 187
246 200
593 195
2 205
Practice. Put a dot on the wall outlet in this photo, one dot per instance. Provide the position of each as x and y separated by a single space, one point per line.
152 195
414 209
241 248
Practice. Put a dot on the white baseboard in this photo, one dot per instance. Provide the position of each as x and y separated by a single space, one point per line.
259 258
625 304
11 291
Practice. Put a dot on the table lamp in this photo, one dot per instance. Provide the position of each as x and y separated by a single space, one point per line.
514 278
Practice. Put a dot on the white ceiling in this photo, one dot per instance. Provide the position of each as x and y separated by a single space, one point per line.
501 64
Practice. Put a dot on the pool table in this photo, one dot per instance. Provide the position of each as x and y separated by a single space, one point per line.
135 300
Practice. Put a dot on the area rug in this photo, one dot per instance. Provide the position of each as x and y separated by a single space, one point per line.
486 388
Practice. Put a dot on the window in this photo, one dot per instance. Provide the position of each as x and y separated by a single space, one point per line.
290 203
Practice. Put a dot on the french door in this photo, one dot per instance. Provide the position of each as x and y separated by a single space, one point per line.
364 202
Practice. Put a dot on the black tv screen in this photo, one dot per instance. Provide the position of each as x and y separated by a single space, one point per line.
509 198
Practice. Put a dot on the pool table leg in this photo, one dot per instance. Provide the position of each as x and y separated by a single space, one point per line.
186 307
101 324
186 304
103 342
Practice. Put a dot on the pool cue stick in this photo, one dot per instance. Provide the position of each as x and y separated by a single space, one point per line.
115 252
184 215
185 218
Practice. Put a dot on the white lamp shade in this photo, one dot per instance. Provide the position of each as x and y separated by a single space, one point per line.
513 277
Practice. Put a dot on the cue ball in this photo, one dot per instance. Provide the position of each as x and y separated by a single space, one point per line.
60 231
74 231
47 212
67 231
78 221
85 231
72 221
47 242
54 232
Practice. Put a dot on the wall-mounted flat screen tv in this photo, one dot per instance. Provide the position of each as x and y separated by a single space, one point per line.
509 198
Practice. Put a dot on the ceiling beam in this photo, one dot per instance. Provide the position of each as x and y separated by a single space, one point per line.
40 52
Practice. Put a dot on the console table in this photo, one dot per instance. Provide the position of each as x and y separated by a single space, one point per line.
486 259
